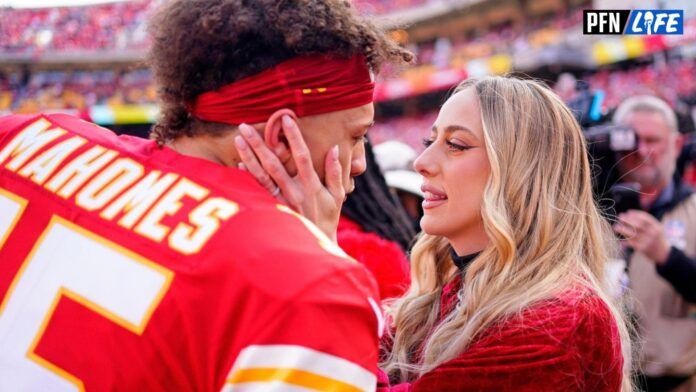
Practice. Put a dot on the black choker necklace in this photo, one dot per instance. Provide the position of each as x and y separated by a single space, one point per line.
462 261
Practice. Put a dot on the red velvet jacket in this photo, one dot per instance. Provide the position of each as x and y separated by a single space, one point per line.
384 258
570 343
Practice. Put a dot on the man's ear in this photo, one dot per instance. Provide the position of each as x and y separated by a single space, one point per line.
273 133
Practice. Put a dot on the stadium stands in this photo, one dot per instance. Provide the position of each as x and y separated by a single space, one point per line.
549 39
102 27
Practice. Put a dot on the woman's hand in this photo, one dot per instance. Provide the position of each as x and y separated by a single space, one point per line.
304 192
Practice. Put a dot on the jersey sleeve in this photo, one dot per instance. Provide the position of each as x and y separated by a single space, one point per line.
318 319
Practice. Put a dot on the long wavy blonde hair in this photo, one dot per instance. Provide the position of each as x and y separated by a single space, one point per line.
546 232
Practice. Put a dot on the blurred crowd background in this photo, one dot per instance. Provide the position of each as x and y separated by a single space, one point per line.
88 60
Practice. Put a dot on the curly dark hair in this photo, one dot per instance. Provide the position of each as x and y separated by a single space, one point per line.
202 45
374 207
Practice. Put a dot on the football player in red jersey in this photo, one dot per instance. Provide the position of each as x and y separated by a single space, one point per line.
131 264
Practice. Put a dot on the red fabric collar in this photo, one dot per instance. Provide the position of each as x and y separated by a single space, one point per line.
307 85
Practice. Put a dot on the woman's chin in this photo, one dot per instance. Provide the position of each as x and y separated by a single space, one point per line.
431 226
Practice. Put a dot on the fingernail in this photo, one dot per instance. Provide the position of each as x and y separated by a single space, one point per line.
241 166
245 130
334 152
239 141
287 121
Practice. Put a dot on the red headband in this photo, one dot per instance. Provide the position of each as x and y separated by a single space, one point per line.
307 85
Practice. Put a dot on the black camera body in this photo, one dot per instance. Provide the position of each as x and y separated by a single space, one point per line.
605 143
609 139
626 196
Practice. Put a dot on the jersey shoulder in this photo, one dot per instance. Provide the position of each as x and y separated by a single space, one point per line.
12 121
274 247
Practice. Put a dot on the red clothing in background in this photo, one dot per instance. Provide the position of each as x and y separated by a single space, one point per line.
569 343
384 258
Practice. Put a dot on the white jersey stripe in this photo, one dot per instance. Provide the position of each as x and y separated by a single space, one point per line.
260 358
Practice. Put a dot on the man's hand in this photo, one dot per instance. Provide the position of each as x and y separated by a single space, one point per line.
644 233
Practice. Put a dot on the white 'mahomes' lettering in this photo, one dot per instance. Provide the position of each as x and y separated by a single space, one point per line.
109 183
28 142
79 170
117 187
45 164
139 198
206 218
151 225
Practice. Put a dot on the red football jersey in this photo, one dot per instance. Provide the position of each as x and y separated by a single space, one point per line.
127 266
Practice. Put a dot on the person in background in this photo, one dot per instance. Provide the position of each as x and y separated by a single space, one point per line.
661 235
375 230
395 159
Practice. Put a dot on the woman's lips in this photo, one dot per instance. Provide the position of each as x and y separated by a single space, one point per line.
432 197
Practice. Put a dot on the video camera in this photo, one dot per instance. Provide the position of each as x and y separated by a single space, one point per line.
606 143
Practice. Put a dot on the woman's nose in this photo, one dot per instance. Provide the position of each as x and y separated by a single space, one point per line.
425 163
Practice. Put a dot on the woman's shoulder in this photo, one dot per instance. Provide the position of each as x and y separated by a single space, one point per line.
566 318
567 341
572 307
570 339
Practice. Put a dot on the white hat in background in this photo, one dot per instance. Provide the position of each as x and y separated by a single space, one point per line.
405 180
396 161
393 155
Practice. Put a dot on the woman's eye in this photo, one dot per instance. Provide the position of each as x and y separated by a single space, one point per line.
456 146
427 142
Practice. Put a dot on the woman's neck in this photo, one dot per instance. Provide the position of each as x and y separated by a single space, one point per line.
469 242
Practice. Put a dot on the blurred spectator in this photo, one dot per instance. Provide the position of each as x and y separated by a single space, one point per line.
395 159
662 264
375 230
410 130
566 86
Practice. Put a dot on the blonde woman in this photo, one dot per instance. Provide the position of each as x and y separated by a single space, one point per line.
507 277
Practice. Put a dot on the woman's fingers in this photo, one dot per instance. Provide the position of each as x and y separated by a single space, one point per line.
334 180
300 154
269 161
252 165
262 163
304 192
